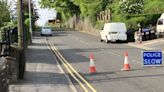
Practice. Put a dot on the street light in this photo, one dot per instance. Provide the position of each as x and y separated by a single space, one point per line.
30 24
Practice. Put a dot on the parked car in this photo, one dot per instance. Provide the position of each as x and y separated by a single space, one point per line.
46 31
115 31
160 26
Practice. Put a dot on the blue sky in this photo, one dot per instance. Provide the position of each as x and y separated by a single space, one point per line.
44 14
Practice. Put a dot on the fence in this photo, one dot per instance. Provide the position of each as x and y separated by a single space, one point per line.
9 61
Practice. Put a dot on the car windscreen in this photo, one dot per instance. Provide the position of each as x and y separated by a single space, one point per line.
160 22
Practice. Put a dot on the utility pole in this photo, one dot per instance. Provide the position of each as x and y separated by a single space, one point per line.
30 22
21 39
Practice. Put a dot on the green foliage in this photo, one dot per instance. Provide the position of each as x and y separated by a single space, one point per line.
27 28
117 18
153 6
65 7
115 7
5 14
149 16
130 11
132 22
90 8
84 8
131 6
99 25
152 19
9 24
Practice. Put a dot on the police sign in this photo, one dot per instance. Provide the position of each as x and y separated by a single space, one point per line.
152 58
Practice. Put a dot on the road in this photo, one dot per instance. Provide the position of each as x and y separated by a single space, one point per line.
109 59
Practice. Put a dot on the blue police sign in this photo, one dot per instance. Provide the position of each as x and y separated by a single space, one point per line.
152 58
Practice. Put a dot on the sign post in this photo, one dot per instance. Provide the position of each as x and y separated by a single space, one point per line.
152 58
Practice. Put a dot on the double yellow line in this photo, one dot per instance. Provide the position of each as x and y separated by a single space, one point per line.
72 71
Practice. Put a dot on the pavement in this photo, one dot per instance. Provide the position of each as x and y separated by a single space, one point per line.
155 44
42 74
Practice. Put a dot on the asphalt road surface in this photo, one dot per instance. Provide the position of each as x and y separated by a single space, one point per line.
109 59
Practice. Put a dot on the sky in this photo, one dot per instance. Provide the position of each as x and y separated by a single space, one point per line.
44 14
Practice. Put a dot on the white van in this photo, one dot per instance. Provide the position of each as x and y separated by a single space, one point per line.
115 31
160 26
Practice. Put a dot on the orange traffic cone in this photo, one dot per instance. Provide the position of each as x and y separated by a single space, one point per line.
126 63
92 68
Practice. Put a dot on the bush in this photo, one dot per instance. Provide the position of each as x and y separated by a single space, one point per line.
27 28
133 22
145 19
99 24
117 18
151 19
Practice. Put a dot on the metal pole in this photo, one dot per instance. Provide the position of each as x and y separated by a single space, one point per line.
30 23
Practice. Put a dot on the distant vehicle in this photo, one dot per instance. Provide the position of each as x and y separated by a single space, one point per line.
160 26
46 31
115 31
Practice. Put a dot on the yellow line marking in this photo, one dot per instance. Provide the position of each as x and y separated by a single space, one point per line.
86 82
69 80
83 87
56 52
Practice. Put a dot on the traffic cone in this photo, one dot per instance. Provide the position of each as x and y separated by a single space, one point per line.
126 63
92 68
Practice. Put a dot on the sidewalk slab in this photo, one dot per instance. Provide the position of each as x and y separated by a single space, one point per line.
42 73
147 45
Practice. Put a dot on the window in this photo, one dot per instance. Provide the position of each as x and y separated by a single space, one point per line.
160 21
113 32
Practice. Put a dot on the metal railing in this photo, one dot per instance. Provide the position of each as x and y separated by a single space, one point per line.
8 63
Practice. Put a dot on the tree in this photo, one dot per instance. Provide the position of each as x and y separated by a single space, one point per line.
121 10
5 13
89 8
65 7
153 6
84 8
131 6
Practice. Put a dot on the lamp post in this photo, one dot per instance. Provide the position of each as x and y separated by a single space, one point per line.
30 23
